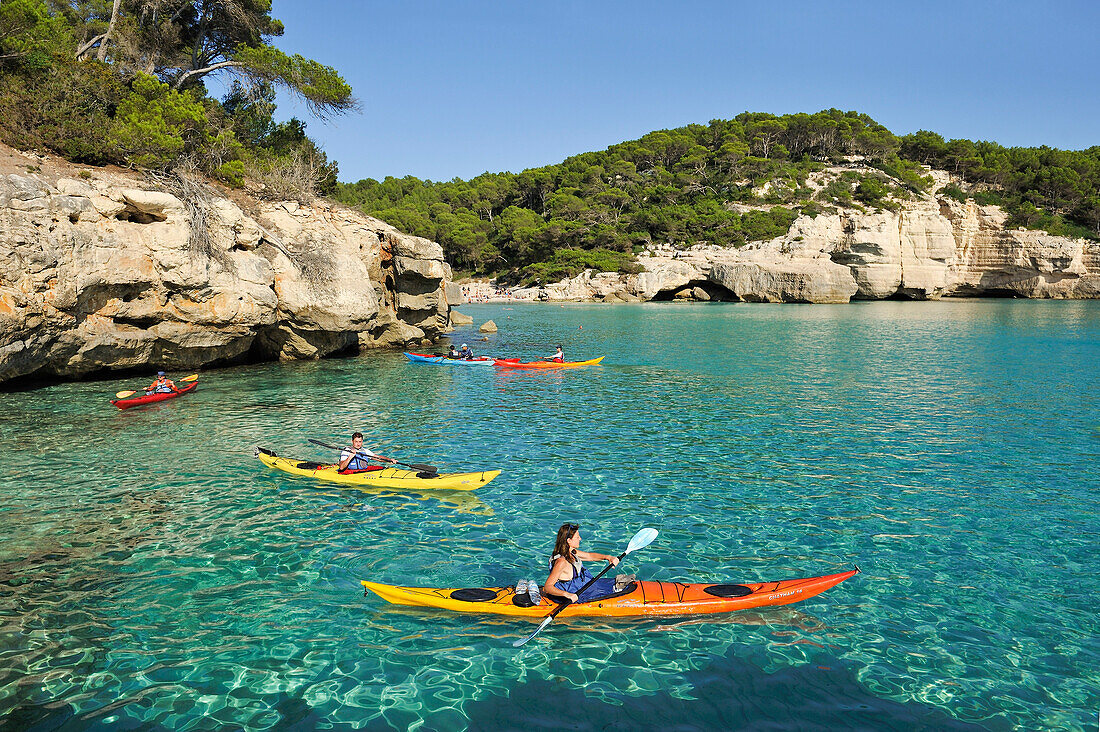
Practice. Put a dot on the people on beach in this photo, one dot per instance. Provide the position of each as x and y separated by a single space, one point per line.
465 352
567 572
558 357
357 457
161 385
483 292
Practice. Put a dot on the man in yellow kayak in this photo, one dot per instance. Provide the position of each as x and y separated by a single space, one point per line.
356 458
162 385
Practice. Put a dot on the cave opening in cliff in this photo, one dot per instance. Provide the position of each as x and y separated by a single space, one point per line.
695 291
135 216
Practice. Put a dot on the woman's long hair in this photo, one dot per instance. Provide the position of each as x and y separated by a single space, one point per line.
561 543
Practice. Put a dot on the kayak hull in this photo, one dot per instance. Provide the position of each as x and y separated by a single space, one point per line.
444 361
398 478
546 364
645 598
153 398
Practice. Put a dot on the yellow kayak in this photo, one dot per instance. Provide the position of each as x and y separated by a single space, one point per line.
385 478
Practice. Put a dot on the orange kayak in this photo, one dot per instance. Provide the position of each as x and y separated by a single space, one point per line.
637 599
508 363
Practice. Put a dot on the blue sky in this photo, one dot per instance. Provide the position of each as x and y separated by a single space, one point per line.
454 89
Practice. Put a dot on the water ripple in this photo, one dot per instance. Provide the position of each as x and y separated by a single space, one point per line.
158 576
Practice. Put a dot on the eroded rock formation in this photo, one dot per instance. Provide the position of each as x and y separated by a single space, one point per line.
932 247
107 273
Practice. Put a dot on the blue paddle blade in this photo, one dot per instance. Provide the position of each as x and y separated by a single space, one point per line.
643 538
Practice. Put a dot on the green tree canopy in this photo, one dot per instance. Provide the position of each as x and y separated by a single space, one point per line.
123 81
183 41
691 184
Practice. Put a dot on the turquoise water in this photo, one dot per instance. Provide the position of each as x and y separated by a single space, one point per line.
154 575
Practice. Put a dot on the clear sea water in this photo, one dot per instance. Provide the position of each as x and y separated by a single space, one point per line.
153 575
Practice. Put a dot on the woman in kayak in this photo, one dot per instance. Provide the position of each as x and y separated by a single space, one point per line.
558 357
358 456
162 385
567 573
465 352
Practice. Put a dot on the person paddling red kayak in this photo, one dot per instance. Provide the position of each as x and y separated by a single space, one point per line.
161 385
162 388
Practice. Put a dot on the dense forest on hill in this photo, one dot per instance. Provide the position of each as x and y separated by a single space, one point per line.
726 183
123 81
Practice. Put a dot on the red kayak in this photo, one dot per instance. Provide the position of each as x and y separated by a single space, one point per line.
137 401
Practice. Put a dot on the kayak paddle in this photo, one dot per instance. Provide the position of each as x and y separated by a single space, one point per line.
414 466
124 394
642 539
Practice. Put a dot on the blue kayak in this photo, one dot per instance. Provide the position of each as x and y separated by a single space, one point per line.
444 361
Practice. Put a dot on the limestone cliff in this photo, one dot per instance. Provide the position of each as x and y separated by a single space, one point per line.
932 247
104 270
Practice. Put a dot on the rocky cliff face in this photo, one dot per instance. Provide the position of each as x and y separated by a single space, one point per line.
931 248
108 273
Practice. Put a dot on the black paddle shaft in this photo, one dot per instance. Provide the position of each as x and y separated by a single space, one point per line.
587 584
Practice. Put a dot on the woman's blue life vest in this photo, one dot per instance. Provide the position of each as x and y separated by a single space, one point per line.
602 587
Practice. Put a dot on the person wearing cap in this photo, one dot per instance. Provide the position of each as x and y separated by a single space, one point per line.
465 352
558 357
567 572
162 385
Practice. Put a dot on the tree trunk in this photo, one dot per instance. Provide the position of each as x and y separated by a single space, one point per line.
101 39
102 55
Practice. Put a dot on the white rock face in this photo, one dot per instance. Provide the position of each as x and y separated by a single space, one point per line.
804 280
104 275
929 249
